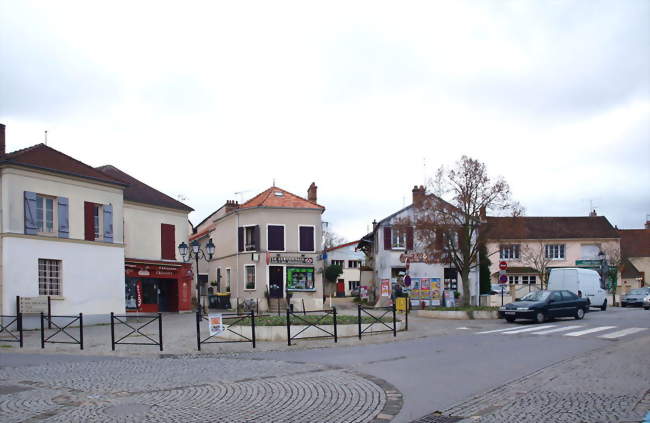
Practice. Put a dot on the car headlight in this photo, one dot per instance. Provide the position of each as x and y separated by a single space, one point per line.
647 298
502 309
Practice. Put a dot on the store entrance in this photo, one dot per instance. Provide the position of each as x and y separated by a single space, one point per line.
149 295
276 285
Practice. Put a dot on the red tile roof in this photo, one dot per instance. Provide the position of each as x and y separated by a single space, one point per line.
635 242
41 156
524 227
347 244
139 192
277 197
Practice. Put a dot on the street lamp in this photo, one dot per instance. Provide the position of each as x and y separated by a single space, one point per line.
604 271
196 252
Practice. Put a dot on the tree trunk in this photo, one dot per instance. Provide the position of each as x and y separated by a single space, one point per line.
465 277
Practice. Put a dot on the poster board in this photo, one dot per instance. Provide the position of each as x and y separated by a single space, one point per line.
215 324
385 288
363 292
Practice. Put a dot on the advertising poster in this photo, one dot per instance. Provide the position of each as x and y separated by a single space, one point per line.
450 299
385 288
436 291
363 292
215 323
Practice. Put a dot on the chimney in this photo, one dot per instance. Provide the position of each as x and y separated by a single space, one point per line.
231 205
647 222
593 213
482 214
419 193
374 225
2 139
311 192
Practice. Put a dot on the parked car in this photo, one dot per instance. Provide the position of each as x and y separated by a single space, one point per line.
543 305
495 289
635 297
646 303
584 283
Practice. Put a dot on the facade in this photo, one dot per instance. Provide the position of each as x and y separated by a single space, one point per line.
156 278
635 249
351 261
395 253
267 247
527 243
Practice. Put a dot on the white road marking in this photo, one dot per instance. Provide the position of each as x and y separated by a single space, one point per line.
562 329
620 333
496 330
592 330
528 329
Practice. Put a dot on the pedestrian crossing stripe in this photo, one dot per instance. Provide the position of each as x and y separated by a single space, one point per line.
592 330
527 329
624 332
560 329
494 331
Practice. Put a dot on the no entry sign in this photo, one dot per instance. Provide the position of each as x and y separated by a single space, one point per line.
503 265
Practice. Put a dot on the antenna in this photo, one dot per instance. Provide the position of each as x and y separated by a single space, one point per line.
274 182
241 195
46 137
424 170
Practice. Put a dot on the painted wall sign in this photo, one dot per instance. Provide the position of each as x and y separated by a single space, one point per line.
416 258
291 260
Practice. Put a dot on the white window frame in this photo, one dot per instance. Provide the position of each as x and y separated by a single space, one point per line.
555 250
509 252
395 234
314 236
100 217
284 234
342 263
246 277
228 279
45 280
246 246
43 216
513 279
358 262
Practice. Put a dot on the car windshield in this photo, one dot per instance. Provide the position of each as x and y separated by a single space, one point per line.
639 291
536 296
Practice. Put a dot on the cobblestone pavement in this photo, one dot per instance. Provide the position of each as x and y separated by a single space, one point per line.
610 385
190 389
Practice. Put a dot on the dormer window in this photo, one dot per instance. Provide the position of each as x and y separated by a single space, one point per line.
278 194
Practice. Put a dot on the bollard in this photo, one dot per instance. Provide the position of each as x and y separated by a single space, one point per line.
335 333
253 327
160 339
288 329
359 318
198 331
394 322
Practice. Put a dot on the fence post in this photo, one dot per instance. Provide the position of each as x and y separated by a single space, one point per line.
304 312
112 332
42 332
359 318
288 328
49 312
81 330
198 331
336 338
253 327
160 331
20 327
17 304
394 321
406 318
258 306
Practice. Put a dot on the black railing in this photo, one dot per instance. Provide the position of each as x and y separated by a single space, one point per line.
12 336
62 329
377 319
229 320
135 327
312 324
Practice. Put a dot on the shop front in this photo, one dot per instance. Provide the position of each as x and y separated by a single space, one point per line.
152 287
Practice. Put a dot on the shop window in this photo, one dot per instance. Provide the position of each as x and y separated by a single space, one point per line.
49 277
554 251
249 274
300 279
509 252
275 237
307 243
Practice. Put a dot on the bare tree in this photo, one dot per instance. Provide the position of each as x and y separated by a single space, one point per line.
331 239
535 256
447 220
615 264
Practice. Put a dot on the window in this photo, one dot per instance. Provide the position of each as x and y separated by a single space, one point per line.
589 251
352 285
338 263
49 277
529 279
354 264
45 214
554 251
307 238
249 238
249 274
509 252
228 280
398 239
98 222
275 237
300 279
513 279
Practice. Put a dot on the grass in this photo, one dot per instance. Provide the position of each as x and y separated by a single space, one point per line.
300 320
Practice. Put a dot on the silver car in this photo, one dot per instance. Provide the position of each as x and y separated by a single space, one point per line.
635 297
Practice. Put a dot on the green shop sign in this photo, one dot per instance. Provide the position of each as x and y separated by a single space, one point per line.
588 263
300 279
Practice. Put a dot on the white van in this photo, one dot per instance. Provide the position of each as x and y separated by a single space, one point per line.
582 282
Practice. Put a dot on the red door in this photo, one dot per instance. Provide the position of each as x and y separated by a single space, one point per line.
340 288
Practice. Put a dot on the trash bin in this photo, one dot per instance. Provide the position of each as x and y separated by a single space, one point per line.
223 300
213 301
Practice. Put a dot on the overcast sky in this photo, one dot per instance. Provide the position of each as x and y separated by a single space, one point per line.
206 99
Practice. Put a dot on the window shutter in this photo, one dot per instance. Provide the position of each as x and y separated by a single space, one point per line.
240 238
409 238
167 241
387 238
89 224
256 237
275 239
30 213
64 229
108 223
306 238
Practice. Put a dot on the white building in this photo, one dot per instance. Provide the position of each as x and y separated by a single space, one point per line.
351 260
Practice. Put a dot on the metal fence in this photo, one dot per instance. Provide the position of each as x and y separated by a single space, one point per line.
61 329
5 329
302 317
229 320
136 327
378 319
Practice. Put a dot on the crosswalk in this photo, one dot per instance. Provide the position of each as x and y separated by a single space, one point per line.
603 332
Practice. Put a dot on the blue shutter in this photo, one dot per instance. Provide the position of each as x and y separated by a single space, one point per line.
31 228
108 223
64 228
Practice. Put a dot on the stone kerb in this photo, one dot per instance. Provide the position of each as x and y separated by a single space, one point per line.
279 333
457 315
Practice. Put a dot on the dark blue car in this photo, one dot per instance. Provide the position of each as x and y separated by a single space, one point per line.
543 305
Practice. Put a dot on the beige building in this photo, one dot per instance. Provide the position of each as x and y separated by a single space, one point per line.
266 250
635 249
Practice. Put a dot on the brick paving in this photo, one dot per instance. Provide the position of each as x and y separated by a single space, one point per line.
190 389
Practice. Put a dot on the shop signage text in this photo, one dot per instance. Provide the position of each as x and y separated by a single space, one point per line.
291 260
416 258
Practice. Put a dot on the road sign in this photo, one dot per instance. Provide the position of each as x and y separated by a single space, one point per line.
407 280
503 278
503 265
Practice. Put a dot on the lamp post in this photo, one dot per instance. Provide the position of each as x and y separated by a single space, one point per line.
196 252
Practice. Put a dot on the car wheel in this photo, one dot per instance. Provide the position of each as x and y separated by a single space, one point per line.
580 313
510 319
604 306
540 317
646 308
623 304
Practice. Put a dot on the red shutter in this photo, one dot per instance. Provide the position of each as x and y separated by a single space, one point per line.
387 238
89 221
167 241
409 238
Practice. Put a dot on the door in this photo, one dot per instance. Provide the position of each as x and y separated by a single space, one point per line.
276 282
340 288
556 305
149 296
